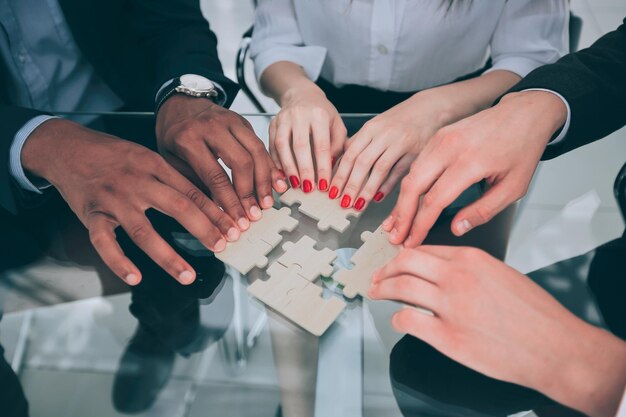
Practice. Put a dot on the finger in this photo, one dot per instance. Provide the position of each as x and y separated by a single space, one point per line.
211 173
398 172
147 239
321 146
496 199
178 206
412 262
446 189
346 165
409 289
242 164
418 324
364 164
338 137
272 145
283 147
380 171
302 152
102 236
262 164
420 178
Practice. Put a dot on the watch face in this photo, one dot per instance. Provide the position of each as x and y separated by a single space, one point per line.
196 82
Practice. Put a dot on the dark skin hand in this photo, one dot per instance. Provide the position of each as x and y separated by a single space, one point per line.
194 133
109 182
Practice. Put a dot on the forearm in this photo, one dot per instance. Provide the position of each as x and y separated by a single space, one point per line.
284 80
591 372
464 98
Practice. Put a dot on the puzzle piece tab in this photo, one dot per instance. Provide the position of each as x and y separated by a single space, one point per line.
318 206
255 243
312 262
299 300
374 253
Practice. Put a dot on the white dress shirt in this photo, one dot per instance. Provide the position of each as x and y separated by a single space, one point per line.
408 45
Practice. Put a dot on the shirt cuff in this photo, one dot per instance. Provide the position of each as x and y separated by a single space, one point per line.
221 99
310 58
15 154
621 411
565 127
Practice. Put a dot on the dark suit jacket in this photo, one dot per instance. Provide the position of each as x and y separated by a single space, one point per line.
135 46
593 81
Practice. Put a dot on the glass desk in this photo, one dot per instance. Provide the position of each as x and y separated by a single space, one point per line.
210 349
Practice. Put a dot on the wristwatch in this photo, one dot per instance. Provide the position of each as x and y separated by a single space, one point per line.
191 85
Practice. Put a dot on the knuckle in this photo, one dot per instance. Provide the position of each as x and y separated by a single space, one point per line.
97 237
139 233
319 114
245 163
181 205
197 197
217 179
484 213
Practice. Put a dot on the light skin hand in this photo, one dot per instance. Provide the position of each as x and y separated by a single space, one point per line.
194 133
307 135
109 182
380 154
497 321
502 145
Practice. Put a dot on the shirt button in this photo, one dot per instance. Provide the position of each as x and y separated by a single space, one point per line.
382 49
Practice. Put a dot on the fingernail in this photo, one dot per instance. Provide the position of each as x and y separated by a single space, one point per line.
463 226
268 202
295 182
282 173
378 196
255 213
345 201
233 234
307 186
220 245
332 194
388 221
132 279
281 185
360 203
186 277
243 223
323 185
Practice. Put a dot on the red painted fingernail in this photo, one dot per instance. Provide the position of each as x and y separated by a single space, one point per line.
282 173
345 201
323 185
307 186
360 203
379 196
332 194
295 182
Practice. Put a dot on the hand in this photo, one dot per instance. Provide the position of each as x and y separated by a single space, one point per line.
306 115
109 182
496 321
193 133
502 145
382 151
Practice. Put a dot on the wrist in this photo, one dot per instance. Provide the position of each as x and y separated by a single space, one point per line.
443 111
586 371
545 107
299 92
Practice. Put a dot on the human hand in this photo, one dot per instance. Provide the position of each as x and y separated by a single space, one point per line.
193 133
306 116
381 152
493 319
502 145
110 182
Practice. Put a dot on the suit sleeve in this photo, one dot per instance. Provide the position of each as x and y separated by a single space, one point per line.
593 82
12 119
180 41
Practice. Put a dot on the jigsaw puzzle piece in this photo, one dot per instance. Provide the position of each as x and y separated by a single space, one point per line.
312 262
255 243
297 299
374 253
319 207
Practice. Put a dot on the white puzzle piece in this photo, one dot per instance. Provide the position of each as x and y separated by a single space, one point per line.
299 300
312 262
374 253
318 206
255 243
